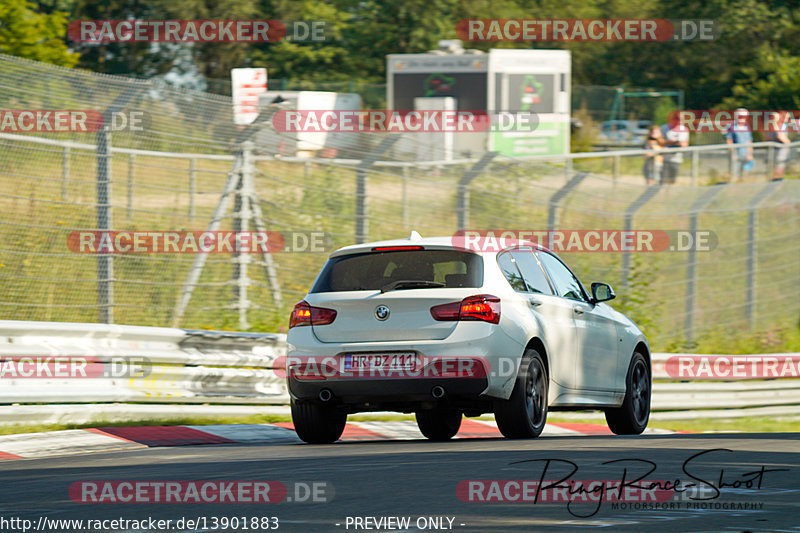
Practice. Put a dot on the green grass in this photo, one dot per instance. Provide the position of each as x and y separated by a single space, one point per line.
750 424
777 424
176 421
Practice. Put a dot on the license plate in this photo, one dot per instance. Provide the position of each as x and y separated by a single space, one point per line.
379 361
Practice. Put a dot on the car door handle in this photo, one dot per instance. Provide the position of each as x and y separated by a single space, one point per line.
535 302
578 310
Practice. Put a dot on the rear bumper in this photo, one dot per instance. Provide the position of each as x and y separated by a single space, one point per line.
403 395
381 391
480 341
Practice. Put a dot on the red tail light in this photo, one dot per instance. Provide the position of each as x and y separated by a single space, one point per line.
306 315
482 307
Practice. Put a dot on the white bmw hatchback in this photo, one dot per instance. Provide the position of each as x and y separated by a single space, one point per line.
426 326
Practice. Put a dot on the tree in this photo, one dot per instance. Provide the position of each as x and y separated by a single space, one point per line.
38 36
772 83
143 60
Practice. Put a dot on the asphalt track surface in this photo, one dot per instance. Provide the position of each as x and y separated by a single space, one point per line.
419 478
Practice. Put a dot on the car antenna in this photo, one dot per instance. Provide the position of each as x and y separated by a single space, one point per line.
414 236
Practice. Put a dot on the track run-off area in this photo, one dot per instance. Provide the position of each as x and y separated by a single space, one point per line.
381 479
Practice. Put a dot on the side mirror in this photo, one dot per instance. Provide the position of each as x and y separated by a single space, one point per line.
602 292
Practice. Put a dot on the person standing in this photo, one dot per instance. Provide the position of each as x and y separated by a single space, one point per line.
653 161
779 135
675 135
740 134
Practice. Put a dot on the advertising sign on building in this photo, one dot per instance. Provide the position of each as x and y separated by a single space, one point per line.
247 85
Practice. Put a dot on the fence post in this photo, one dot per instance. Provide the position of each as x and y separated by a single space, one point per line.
555 201
691 261
770 161
462 207
752 228
64 172
192 185
242 218
131 162
105 265
361 186
405 196
631 210
568 169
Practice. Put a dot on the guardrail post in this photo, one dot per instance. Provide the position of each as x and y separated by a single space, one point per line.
361 186
555 201
131 162
64 172
637 204
691 261
192 185
462 204
752 228
105 264
695 166
615 167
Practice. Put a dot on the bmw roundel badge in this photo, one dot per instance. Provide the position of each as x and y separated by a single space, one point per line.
381 312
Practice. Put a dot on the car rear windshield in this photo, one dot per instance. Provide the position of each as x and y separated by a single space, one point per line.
375 270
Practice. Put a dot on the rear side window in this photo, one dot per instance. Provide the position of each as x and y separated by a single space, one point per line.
531 270
511 272
567 285
373 270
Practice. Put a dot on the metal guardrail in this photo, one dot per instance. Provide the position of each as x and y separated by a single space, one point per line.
672 393
177 366
140 364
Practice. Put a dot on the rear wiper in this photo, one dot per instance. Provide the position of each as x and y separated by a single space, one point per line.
410 284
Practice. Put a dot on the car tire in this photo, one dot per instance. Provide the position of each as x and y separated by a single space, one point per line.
524 414
439 424
632 416
317 424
